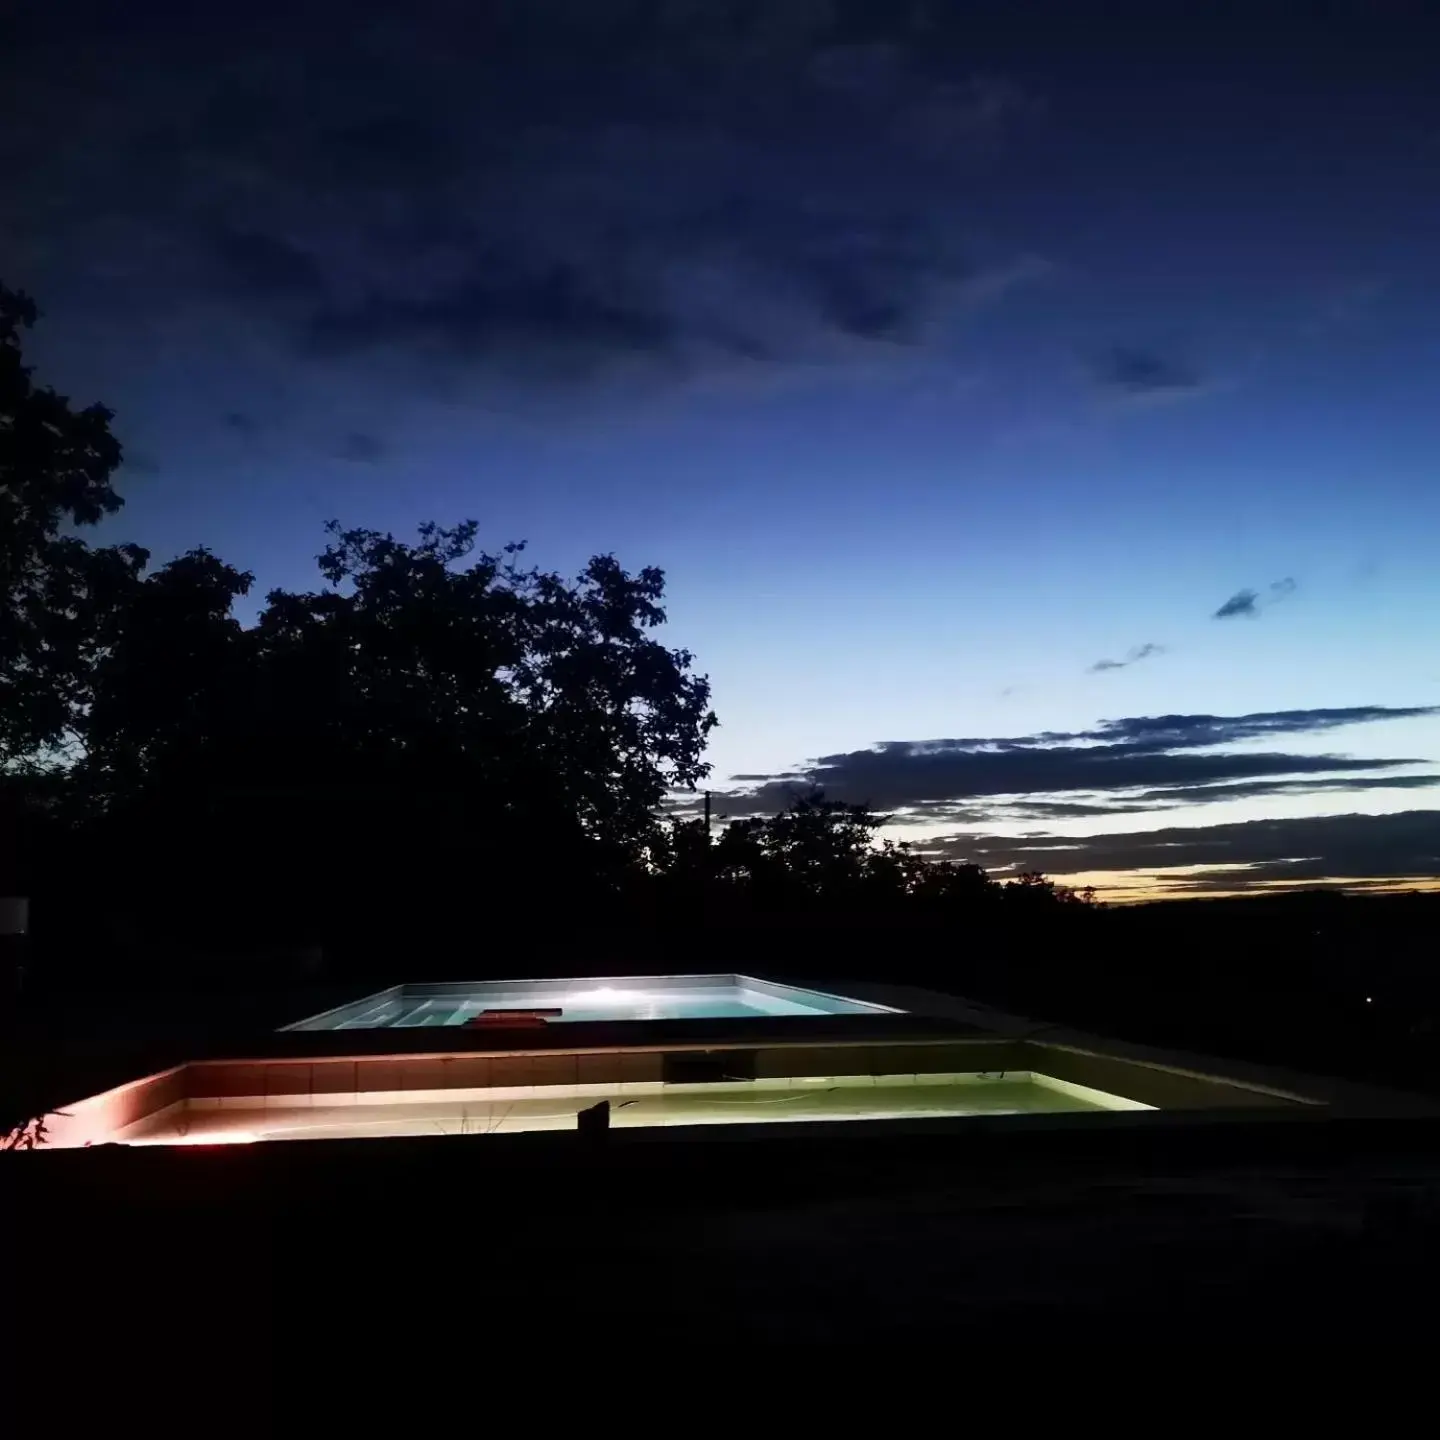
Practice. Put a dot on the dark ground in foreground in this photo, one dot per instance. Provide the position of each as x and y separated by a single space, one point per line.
412 1266
298 1258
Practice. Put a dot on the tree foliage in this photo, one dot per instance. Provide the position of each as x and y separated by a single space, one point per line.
826 857
444 717
55 468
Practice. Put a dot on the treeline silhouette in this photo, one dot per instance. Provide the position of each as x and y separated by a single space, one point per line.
437 741
443 763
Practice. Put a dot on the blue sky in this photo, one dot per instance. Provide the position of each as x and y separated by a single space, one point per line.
936 355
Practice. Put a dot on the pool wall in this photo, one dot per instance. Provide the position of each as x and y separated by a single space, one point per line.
424 1078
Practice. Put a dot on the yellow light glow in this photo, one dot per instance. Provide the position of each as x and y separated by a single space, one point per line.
214 1137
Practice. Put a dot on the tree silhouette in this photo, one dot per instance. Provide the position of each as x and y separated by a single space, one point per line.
436 736
458 724
55 590
55 469
819 857
817 852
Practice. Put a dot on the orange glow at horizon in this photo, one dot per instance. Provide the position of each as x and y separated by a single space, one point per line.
1135 887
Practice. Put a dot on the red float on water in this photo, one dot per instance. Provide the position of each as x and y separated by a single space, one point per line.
523 1019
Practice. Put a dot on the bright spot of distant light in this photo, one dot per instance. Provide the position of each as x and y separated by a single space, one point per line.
608 994
1369 999
218 1137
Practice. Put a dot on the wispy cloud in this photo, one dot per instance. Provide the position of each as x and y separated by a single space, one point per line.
141 462
1344 307
1133 656
1250 602
1244 855
361 448
1176 797
1134 374
1137 763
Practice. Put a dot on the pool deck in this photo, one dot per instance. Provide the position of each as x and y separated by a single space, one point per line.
1094 1229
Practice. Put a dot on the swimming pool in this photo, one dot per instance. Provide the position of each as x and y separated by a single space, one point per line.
654 997
370 1115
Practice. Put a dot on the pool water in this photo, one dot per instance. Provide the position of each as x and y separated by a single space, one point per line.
645 1005
659 998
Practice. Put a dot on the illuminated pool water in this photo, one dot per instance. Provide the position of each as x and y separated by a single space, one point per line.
665 997
244 1119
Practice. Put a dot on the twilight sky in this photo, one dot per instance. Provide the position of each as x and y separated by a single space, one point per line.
1032 404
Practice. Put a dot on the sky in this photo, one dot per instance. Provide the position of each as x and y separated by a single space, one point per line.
1031 405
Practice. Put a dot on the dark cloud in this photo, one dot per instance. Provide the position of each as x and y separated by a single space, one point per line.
1293 850
553 312
1120 759
1255 789
1176 731
1022 810
361 448
1137 373
1250 602
1176 796
241 422
1133 656
261 266
536 185
864 274
1242 602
